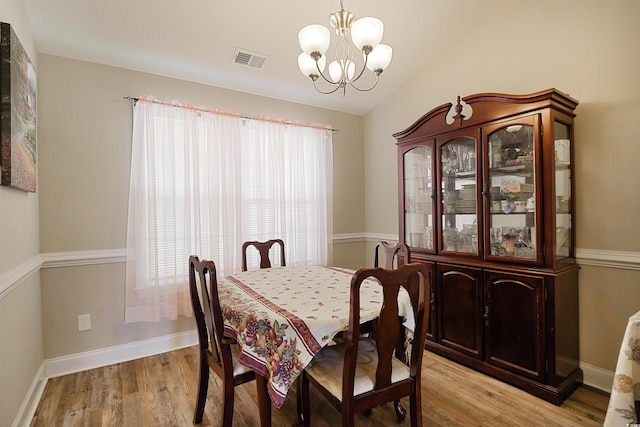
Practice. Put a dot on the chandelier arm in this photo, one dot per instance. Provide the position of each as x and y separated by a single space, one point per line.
321 74
365 90
364 67
338 86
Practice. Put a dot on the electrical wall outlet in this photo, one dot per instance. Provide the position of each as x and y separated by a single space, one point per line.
84 322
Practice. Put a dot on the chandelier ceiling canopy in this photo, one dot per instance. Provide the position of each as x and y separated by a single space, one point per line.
364 34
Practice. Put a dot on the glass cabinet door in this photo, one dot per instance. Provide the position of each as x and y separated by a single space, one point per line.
563 204
418 197
511 186
459 196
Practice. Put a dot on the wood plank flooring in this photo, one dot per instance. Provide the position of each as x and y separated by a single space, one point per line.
159 391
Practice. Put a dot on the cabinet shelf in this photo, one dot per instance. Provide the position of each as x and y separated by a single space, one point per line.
456 175
513 213
518 167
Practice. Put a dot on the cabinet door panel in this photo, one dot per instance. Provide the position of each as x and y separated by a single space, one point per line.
417 210
459 194
513 320
511 182
459 303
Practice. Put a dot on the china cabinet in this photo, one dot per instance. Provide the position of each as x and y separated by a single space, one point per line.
486 200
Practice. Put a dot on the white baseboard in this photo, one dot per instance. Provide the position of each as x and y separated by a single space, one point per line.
31 400
117 354
597 377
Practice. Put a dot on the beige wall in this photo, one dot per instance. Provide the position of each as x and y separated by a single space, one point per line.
18 209
588 49
85 137
21 334
21 352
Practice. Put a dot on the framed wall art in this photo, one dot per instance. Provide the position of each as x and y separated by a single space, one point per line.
18 142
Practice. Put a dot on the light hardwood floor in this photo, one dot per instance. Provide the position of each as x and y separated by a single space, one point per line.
159 391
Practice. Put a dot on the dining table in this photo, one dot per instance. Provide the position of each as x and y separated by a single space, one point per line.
282 316
624 403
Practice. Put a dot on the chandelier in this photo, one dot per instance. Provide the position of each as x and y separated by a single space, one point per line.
365 34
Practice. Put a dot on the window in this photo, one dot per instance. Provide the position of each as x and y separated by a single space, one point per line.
204 182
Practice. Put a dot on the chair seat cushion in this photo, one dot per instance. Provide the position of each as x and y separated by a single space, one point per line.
326 368
238 368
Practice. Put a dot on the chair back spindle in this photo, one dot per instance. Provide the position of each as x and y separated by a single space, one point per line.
263 248
393 252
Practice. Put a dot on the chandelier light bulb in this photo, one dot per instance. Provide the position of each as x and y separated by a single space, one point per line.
337 70
308 65
314 38
379 58
367 32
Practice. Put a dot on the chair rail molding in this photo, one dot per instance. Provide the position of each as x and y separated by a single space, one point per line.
76 258
363 237
13 277
612 259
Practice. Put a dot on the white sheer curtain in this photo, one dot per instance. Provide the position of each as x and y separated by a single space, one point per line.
203 182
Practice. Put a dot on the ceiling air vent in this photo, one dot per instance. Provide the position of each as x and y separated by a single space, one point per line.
251 59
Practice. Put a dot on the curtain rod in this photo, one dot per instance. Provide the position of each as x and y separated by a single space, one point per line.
135 100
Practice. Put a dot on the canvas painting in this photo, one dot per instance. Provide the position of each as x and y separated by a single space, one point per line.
18 141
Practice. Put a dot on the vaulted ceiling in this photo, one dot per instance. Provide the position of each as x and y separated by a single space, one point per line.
196 40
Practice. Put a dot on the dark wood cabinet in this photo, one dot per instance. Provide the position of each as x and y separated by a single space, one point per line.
486 199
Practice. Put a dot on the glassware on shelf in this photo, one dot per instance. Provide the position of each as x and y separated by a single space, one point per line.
531 204
450 237
563 153
458 197
509 244
507 206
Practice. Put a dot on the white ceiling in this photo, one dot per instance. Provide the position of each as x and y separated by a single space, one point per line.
195 40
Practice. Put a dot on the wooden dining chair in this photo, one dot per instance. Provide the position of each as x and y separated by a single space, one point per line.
393 253
362 373
263 248
217 352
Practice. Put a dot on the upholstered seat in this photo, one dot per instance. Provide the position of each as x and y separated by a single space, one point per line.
331 360
238 368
